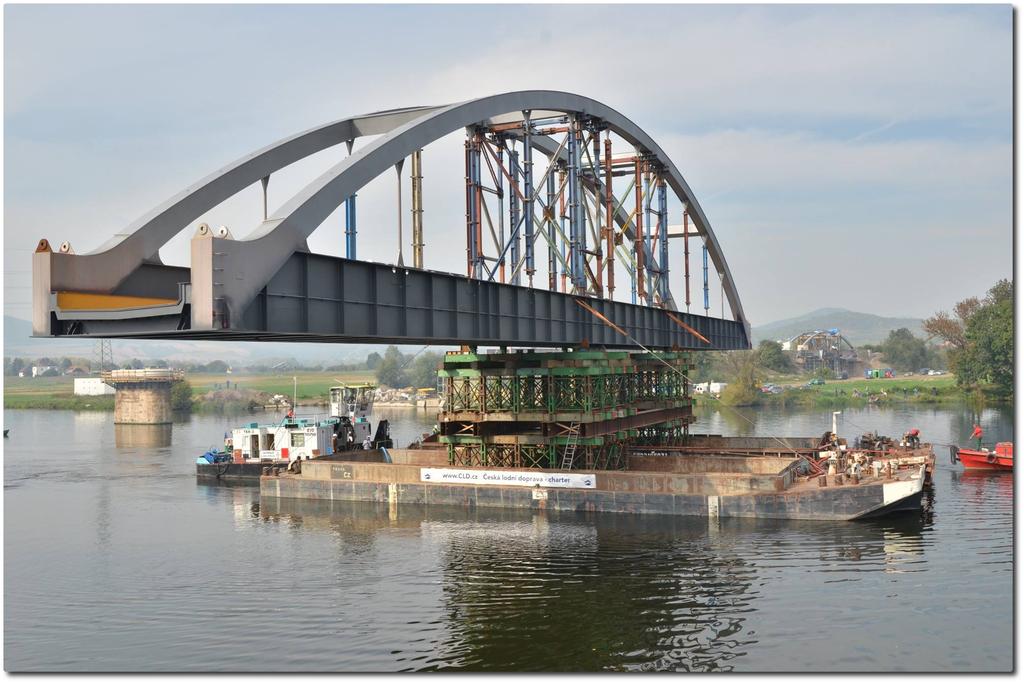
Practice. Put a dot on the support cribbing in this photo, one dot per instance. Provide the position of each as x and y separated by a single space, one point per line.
707 303
609 199
417 209
663 239
552 236
531 267
569 409
686 254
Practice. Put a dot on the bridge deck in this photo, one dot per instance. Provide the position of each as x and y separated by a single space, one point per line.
319 298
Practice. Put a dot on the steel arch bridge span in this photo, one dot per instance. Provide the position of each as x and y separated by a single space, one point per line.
122 289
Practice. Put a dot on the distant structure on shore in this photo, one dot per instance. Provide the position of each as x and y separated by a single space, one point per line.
92 386
142 396
817 349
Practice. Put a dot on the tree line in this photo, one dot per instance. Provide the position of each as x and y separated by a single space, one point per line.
398 370
979 334
975 344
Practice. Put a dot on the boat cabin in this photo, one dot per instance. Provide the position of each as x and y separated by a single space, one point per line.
292 439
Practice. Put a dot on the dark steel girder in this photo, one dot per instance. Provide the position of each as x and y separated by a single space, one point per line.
318 298
228 280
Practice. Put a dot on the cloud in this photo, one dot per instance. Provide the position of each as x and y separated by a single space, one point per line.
697 67
809 134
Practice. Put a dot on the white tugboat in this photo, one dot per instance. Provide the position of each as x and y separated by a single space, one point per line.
254 446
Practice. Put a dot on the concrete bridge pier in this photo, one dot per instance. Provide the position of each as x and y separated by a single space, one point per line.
142 396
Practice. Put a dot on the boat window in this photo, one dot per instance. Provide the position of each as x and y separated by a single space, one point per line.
298 439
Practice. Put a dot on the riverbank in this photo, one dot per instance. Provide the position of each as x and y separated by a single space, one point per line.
211 393
916 390
57 401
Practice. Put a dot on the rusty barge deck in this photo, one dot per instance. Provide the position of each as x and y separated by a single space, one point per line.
744 482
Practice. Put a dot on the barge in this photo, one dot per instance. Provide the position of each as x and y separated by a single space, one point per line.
712 476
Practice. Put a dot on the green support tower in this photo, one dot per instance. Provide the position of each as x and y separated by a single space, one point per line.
568 410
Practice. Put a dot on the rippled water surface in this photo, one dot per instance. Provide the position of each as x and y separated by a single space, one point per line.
116 559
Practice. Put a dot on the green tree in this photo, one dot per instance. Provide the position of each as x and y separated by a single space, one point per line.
373 361
16 366
743 375
391 371
423 370
705 364
904 351
770 356
980 338
988 356
937 358
181 396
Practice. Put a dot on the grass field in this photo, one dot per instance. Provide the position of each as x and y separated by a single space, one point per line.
310 385
58 392
50 393
930 389
922 382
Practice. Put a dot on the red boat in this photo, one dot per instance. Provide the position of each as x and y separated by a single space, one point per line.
999 459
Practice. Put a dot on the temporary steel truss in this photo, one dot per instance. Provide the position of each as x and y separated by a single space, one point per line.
540 182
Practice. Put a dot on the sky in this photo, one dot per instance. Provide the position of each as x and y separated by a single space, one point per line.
846 156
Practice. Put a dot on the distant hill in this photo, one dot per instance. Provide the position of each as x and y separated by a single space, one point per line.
858 328
18 341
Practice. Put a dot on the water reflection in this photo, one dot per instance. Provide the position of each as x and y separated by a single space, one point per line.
569 592
992 489
144 559
142 436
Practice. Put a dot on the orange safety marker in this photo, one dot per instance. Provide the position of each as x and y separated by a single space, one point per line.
603 319
689 329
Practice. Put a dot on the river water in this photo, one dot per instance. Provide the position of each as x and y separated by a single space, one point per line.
117 560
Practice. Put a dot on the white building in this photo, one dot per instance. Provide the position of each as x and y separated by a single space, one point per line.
713 388
92 386
38 370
